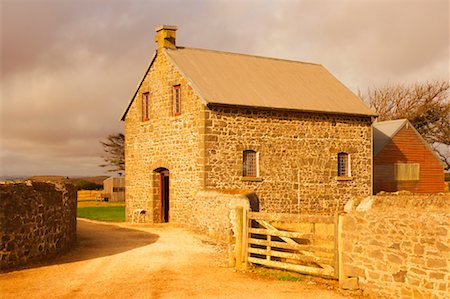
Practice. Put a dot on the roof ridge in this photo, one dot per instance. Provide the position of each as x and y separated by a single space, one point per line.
247 55
390 121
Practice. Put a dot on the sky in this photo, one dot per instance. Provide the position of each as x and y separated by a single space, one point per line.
70 67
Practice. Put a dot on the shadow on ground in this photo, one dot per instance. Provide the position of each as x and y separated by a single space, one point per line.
96 240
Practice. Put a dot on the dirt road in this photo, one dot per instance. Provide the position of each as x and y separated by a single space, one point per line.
124 261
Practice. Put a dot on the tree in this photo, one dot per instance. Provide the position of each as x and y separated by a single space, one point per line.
115 152
86 185
425 105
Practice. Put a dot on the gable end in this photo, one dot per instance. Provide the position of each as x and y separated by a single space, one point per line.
138 87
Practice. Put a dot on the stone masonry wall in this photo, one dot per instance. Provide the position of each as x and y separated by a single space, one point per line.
202 149
297 156
398 246
212 209
37 221
165 141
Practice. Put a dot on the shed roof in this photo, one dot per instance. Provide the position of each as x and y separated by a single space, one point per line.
238 79
384 131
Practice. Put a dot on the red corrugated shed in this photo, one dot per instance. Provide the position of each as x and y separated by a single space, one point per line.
397 144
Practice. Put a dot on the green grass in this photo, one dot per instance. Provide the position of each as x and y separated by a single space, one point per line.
277 274
112 213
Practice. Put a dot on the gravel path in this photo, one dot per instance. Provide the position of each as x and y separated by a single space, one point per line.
147 261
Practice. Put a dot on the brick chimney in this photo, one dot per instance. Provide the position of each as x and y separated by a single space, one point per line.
165 36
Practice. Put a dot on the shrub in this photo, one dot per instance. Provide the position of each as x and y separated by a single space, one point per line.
86 185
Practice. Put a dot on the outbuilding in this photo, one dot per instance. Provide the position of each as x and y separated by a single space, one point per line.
403 160
114 188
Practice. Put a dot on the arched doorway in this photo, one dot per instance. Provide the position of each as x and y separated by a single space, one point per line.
164 192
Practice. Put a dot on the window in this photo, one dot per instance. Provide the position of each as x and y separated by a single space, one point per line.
343 165
177 100
406 171
145 106
250 164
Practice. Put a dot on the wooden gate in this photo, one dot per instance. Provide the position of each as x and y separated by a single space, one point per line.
303 243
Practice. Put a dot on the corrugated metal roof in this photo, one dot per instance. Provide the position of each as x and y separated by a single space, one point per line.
384 131
237 79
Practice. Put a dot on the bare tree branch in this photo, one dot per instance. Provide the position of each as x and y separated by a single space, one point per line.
425 105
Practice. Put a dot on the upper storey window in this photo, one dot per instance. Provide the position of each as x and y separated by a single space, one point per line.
145 106
177 100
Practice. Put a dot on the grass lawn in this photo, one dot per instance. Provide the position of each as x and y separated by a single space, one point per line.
277 274
100 210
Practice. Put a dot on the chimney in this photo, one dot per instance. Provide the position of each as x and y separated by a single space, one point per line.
165 36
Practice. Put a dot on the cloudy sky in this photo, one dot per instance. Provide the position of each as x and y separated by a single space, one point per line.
69 68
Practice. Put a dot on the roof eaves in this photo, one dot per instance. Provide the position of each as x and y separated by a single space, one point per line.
138 87
190 82
370 112
295 109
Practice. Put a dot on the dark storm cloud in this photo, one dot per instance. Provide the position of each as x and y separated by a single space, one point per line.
69 68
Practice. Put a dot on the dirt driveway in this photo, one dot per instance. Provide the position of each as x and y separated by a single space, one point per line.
125 261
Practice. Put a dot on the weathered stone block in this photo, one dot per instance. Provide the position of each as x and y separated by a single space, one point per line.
349 283
442 247
399 276
377 254
350 270
437 275
394 259
437 263
418 249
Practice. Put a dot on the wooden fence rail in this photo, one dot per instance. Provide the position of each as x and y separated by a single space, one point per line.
303 243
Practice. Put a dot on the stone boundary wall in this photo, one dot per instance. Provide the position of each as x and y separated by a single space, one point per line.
37 221
397 246
213 210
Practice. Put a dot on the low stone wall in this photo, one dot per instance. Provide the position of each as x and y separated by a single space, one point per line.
397 246
213 210
37 221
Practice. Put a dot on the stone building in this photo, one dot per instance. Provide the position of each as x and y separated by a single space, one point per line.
403 160
209 120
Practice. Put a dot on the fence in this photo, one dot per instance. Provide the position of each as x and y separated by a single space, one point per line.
85 195
373 246
303 243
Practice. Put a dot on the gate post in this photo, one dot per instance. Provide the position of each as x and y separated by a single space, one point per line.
345 282
241 252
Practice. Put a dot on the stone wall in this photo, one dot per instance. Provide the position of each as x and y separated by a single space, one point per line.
398 245
172 142
297 156
37 221
212 210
